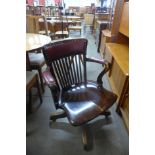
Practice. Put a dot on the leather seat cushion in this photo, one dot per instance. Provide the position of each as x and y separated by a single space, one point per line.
83 103
36 59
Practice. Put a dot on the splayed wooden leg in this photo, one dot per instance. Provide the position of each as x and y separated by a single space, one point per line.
106 113
56 115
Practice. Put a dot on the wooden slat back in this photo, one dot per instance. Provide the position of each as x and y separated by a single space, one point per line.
68 70
66 60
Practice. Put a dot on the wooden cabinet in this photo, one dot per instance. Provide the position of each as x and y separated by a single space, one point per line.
119 72
118 56
106 37
115 48
123 106
124 25
111 33
102 16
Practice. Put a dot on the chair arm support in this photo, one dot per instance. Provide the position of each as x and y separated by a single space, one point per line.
106 65
49 80
100 61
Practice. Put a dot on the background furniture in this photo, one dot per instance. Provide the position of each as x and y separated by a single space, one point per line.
89 21
29 9
61 30
37 61
111 33
76 24
106 37
81 100
35 42
32 81
118 55
39 9
34 26
36 58
62 27
101 24
75 28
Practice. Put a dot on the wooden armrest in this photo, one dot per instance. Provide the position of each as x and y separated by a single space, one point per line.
49 80
100 61
106 68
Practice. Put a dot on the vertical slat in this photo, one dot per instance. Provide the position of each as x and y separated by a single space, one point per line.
80 70
54 75
66 72
70 69
77 69
60 76
63 73
71 61
84 65
74 70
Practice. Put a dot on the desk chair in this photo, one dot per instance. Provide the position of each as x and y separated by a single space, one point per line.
32 81
89 21
81 100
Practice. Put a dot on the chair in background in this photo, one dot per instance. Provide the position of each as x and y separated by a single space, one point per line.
37 24
81 100
61 28
75 26
32 81
89 21
37 60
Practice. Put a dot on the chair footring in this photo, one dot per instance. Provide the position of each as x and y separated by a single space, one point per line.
56 115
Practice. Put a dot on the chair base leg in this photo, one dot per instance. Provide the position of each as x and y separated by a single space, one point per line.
106 113
39 92
56 115
30 102
86 139
41 79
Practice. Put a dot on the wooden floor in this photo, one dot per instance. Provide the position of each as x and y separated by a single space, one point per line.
60 138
